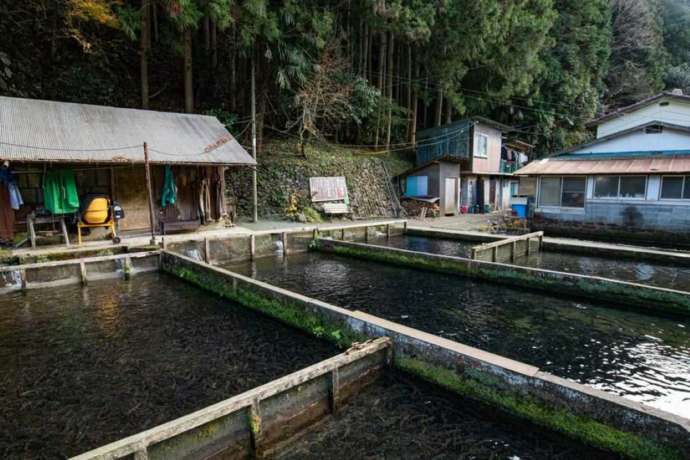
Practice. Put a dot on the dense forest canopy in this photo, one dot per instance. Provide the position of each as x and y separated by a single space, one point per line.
361 72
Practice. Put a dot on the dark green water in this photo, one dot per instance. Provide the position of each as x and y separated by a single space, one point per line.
641 357
402 418
80 368
651 273
83 367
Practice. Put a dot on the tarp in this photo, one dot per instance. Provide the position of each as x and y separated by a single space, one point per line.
169 192
60 192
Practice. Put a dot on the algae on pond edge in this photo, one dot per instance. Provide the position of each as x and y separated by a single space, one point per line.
287 312
582 428
472 384
653 300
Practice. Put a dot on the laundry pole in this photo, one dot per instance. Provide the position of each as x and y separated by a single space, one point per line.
150 192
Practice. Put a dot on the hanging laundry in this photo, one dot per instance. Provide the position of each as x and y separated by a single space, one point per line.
8 179
169 192
60 192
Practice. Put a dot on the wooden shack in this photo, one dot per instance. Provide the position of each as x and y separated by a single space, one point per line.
104 148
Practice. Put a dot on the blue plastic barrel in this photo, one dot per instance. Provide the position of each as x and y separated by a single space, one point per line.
520 210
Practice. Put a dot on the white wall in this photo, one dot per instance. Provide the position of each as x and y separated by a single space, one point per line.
676 112
639 141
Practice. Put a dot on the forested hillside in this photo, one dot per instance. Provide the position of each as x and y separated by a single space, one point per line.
362 72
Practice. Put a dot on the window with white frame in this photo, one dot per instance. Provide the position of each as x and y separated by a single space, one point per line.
675 188
567 192
630 187
481 148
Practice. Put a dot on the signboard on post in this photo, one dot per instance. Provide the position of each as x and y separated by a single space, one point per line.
327 189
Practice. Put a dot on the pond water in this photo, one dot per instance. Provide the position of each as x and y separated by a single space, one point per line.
82 367
641 357
402 417
651 273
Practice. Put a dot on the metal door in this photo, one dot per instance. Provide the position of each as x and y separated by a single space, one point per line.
451 196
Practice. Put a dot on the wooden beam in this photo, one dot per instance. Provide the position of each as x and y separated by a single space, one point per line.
248 401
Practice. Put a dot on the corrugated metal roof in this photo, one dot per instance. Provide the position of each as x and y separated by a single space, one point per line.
36 130
667 164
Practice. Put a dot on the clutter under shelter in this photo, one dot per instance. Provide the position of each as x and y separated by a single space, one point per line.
72 169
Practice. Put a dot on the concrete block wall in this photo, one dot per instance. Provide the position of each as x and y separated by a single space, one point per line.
643 216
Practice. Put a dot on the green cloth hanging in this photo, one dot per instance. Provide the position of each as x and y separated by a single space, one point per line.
60 192
169 192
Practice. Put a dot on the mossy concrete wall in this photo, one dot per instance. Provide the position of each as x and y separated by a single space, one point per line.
238 248
616 293
584 413
72 271
256 422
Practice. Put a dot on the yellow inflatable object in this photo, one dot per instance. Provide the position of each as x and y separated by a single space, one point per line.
97 212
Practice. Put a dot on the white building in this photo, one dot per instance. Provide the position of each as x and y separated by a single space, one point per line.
634 177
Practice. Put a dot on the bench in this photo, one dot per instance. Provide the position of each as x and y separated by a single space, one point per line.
32 221
169 221
336 208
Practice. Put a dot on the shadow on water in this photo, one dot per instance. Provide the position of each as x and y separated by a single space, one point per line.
641 357
651 273
83 367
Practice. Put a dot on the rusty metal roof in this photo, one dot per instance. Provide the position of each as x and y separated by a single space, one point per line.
665 164
40 131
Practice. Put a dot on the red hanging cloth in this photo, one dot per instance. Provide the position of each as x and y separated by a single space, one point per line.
6 215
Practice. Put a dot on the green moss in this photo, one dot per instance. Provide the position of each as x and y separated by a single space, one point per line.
290 313
581 428
657 301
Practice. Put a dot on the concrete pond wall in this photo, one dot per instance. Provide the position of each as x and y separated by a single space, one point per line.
252 424
239 248
618 293
72 271
603 420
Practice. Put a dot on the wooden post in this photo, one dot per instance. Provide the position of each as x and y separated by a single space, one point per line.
388 231
128 268
255 205
404 227
284 239
513 250
149 191
82 272
541 241
527 251
252 246
32 230
494 253
342 234
334 389
366 234
64 231
255 427
207 251
22 277
141 454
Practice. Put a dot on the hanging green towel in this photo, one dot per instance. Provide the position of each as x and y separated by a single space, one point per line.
169 192
60 192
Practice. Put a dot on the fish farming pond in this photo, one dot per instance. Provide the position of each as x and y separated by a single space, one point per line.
88 366
643 358
652 273
402 417
91 365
